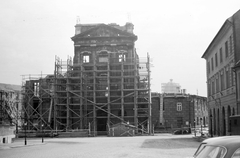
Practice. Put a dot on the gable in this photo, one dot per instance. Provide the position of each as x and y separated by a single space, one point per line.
103 31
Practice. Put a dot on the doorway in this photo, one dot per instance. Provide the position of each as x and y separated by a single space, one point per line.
101 122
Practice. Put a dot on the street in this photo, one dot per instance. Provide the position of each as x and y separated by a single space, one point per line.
157 146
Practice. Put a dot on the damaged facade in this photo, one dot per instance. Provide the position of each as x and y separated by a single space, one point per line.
105 84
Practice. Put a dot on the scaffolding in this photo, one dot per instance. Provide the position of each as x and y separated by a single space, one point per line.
89 96
104 84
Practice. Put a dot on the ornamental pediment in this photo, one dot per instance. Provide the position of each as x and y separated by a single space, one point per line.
103 31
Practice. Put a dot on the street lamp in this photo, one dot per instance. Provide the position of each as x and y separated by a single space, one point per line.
42 133
17 121
211 132
25 131
194 127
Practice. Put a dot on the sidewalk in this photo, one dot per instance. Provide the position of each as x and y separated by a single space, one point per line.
20 142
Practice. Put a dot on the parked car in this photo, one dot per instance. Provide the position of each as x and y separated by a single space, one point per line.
219 147
181 131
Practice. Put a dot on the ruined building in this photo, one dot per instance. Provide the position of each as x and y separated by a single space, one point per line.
104 84
10 105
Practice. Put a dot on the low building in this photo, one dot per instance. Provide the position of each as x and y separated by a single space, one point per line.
171 111
183 110
10 107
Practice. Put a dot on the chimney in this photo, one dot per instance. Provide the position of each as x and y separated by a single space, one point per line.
78 29
183 91
129 27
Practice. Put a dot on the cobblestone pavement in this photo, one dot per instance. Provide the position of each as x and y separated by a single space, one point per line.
157 146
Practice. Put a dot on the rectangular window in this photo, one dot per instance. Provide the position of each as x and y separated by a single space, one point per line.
86 59
222 81
179 106
36 89
122 57
226 48
217 84
209 88
227 79
212 64
216 60
221 56
230 44
232 78
208 67
103 57
213 87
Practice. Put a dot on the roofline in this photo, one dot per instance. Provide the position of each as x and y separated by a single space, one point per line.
92 24
102 24
209 46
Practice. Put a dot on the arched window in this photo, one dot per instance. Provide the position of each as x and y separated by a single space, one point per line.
103 56
86 57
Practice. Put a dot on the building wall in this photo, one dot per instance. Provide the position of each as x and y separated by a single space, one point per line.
156 110
10 104
201 115
221 83
193 108
236 30
6 134
104 84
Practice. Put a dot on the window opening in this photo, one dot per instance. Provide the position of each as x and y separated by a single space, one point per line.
226 48
179 106
85 58
36 89
121 57
103 57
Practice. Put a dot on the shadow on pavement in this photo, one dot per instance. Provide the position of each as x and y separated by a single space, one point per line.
172 143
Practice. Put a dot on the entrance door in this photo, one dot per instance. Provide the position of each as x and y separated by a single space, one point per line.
102 126
101 122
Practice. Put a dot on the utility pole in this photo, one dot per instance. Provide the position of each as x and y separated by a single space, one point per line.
149 96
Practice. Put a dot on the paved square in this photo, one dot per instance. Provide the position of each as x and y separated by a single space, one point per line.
161 145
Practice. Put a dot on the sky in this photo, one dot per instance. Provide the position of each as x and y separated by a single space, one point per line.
175 33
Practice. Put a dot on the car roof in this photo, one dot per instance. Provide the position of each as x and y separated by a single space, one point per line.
226 141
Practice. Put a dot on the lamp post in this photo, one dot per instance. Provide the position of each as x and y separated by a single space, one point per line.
25 131
194 127
211 132
201 125
42 133
17 121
